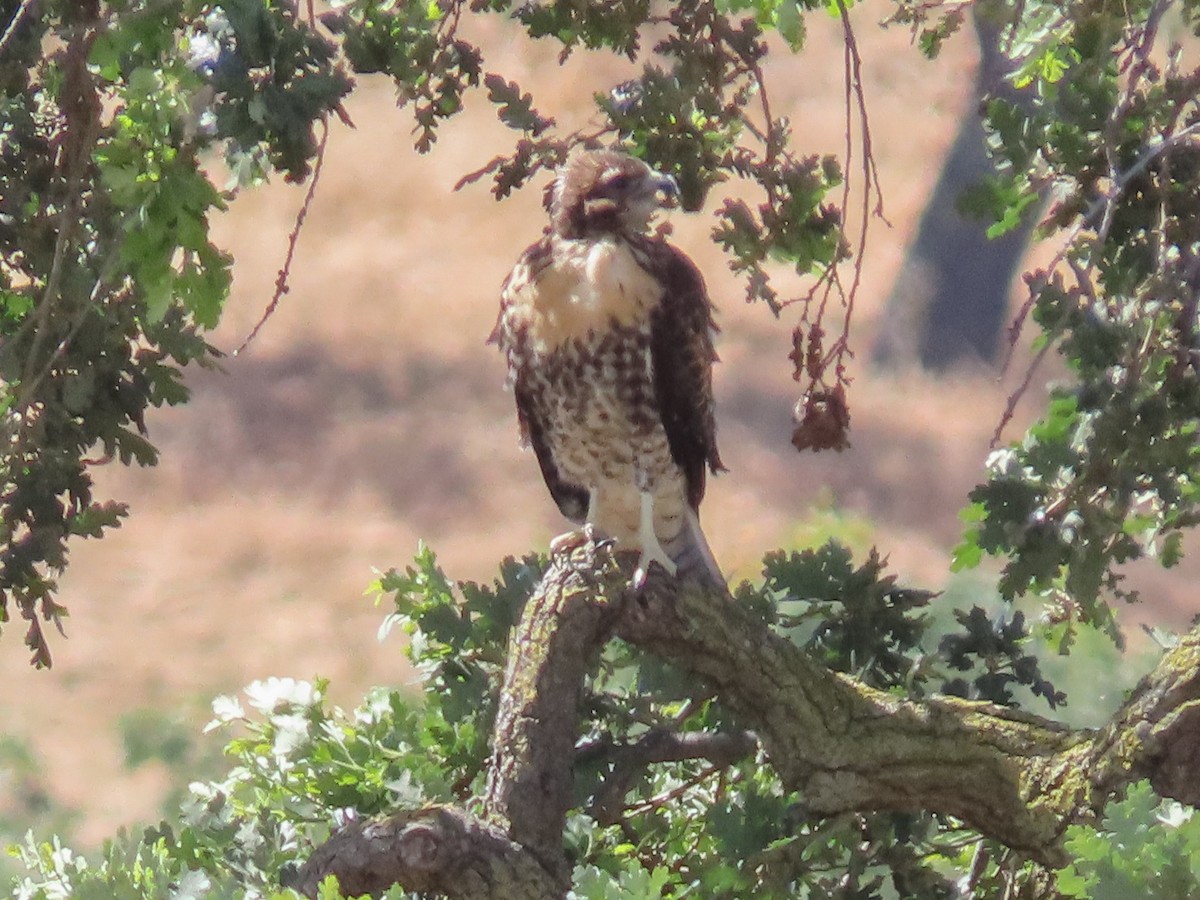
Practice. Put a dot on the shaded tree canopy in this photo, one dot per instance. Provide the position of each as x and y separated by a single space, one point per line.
812 736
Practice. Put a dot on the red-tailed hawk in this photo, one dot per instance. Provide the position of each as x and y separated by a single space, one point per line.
608 336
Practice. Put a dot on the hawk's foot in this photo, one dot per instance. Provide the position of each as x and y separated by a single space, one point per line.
588 537
646 570
652 557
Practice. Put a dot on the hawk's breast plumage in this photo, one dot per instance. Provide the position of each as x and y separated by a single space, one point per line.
608 337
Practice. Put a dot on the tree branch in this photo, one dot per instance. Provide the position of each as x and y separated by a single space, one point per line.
14 23
517 853
1156 734
1012 776
846 747
658 746
555 643
435 850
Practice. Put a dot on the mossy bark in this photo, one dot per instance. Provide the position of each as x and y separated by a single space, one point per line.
554 644
1015 777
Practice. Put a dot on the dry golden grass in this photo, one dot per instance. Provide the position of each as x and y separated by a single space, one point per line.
369 413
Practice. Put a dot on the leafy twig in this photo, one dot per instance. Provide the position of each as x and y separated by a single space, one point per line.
1100 213
1014 398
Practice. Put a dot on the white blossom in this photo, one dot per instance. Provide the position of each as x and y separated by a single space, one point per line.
274 694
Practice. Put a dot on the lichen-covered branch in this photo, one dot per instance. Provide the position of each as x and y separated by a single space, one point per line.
436 850
562 628
1156 734
1012 776
516 853
844 746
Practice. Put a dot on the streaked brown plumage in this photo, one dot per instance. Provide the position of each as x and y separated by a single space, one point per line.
608 337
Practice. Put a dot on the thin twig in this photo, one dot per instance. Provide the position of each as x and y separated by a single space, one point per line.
657 746
15 22
855 97
1015 398
67 220
660 800
281 281
1136 67
869 172
1120 180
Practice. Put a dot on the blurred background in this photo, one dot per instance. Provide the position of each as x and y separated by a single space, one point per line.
369 414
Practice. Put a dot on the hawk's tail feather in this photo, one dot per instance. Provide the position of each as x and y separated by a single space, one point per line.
691 553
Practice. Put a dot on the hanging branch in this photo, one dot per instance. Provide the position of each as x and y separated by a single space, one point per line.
285 271
822 414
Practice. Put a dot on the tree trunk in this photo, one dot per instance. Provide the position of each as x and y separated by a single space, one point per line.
950 301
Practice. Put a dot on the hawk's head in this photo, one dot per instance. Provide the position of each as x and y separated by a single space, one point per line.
601 192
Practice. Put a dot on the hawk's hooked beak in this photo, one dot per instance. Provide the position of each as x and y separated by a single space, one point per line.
668 188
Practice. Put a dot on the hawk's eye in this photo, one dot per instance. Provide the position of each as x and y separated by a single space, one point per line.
619 182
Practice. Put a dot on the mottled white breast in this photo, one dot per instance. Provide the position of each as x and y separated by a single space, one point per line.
601 418
590 286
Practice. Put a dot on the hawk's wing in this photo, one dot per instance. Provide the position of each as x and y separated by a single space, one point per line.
572 499
681 346
532 414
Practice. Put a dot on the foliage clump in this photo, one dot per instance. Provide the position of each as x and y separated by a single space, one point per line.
1109 474
108 276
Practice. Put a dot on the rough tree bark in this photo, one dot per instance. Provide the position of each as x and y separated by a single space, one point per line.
950 301
1014 777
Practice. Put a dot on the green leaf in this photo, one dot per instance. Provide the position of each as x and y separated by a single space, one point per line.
790 24
967 554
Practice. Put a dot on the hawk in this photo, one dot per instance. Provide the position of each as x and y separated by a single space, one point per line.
607 332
